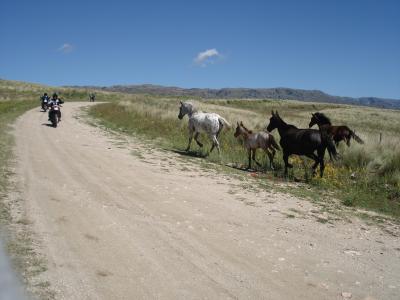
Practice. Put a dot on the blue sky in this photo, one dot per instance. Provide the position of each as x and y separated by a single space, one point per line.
349 48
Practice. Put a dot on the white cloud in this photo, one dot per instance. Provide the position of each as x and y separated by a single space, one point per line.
207 57
66 48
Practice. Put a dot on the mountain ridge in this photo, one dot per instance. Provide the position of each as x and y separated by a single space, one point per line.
249 93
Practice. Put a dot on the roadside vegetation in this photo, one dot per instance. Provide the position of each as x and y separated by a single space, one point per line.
367 176
9 111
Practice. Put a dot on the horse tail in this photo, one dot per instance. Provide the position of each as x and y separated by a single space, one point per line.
222 121
274 143
356 137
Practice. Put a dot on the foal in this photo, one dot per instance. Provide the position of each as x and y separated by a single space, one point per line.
253 141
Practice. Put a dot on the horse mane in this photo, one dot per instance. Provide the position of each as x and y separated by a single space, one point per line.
248 130
286 124
193 108
322 118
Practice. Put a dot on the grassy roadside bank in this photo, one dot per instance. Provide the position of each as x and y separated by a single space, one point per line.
359 180
9 111
16 228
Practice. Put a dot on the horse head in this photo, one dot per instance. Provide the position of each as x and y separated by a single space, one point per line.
238 130
313 121
320 119
185 108
273 121
245 128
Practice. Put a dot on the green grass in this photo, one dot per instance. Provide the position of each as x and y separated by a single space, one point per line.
367 176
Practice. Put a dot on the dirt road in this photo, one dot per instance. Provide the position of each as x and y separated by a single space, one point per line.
117 220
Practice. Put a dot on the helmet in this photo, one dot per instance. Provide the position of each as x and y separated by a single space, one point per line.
55 95
45 94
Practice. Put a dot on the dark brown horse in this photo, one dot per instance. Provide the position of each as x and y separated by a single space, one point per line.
338 133
302 142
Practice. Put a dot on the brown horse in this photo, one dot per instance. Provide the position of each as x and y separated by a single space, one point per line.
339 133
254 141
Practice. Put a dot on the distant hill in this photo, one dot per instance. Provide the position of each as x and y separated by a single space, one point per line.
20 90
248 93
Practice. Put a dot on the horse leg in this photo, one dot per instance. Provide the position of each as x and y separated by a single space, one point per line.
330 156
190 140
286 161
221 126
196 136
321 166
212 147
249 156
348 141
321 155
320 161
254 157
215 144
271 158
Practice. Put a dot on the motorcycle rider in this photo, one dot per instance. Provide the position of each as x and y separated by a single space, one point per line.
92 97
55 100
45 99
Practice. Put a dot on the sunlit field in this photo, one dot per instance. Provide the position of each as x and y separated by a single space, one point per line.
365 176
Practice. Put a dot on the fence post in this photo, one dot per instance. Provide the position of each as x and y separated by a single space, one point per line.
380 137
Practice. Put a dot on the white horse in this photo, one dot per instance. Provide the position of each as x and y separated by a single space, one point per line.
209 123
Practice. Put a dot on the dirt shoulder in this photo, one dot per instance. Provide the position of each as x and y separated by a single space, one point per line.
115 219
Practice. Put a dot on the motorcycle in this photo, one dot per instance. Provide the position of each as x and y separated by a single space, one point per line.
54 115
45 105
